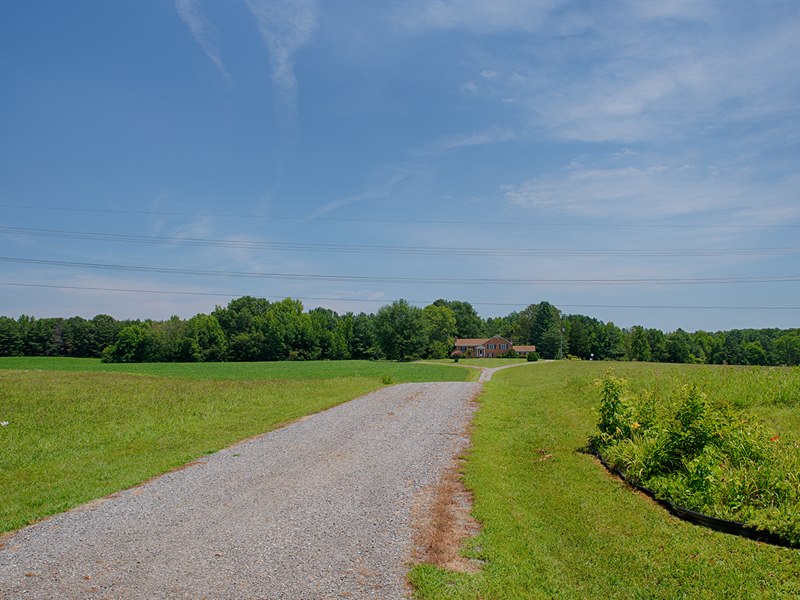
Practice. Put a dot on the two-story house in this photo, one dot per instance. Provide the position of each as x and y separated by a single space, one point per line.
489 347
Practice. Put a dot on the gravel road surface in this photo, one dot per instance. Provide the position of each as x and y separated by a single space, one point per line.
318 509
487 374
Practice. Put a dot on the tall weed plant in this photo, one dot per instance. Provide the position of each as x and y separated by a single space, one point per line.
710 457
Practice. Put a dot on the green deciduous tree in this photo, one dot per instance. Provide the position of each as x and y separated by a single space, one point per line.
133 344
400 331
540 325
10 337
609 342
468 322
638 344
679 347
579 336
502 326
364 343
440 329
106 328
208 337
786 349
753 353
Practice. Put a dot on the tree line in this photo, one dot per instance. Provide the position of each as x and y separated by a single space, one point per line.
255 329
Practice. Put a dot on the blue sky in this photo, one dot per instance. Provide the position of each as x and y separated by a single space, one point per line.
598 155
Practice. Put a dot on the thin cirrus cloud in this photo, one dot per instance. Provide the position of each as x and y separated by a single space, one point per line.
631 71
624 191
492 135
203 32
474 15
285 27
377 192
653 191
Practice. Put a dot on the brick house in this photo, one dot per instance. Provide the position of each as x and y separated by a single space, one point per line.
489 347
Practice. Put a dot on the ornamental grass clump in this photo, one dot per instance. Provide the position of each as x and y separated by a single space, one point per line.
701 455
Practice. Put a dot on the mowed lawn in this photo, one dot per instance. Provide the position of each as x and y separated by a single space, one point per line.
557 525
77 432
489 363
286 370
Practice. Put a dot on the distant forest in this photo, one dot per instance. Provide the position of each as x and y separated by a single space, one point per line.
254 329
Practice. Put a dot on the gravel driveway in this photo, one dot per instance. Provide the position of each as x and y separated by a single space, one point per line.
318 509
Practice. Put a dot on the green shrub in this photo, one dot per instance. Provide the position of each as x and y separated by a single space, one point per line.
703 456
533 356
616 420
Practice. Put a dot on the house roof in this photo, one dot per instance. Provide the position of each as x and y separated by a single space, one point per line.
525 348
470 341
478 341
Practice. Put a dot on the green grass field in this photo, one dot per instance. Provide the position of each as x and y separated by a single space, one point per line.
557 525
399 372
489 363
79 430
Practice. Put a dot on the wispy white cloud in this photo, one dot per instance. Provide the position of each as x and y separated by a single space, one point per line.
492 135
653 191
627 192
672 9
203 32
377 192
659 71
625 152
475 15
286 27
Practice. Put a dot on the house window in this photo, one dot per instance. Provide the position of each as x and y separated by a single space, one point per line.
491 346
503 346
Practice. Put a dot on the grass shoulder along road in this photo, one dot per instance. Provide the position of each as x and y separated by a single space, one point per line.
77 431
557 525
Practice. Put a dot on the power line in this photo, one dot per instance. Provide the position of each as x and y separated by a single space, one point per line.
538 224
392 249
383 300
409 280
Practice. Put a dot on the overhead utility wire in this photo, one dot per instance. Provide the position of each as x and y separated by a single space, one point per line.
383 300
418 280
390 249
395 220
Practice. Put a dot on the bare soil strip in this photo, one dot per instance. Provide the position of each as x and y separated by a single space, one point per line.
443 522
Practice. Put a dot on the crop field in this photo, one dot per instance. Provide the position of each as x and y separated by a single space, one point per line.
555 524
76 429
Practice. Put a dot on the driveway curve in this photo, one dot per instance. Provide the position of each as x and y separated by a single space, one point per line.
320 508
487 373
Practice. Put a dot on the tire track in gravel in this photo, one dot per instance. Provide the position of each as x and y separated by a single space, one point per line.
320 508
